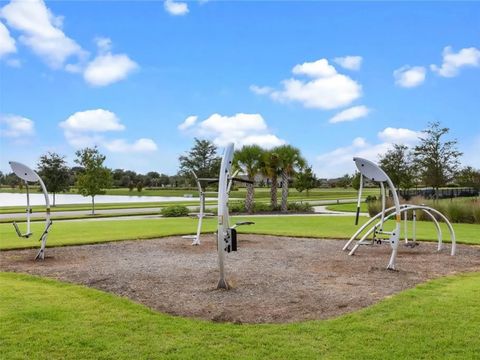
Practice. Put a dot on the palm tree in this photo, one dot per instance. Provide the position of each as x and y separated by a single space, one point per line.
290 160
249 161
271 169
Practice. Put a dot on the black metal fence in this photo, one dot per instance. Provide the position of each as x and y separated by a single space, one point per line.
446 193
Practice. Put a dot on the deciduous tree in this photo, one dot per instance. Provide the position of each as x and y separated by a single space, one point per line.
94 177
436 159
54 172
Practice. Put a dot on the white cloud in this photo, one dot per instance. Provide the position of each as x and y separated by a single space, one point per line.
91 127
242 129
104 44
139 146
261 90
106 69
319 68
98 120
7 43
15 126
399 135
188 123
340 160
408 76
350 114
453 62
41 31
349 62
326 90
175 7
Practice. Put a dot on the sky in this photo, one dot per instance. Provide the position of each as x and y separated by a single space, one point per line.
141 79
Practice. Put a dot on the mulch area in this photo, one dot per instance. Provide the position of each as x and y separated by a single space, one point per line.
274 279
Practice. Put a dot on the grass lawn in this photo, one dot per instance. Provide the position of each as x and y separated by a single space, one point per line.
352 207
78 232
45 319
77 207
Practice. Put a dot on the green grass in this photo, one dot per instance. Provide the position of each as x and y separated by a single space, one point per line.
352 207
78 232
45 319
77 207
349 207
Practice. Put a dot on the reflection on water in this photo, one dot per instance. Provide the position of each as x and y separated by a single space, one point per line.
8 199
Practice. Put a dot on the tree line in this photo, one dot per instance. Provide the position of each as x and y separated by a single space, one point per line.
434 162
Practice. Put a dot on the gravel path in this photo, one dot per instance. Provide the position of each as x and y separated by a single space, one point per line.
275 279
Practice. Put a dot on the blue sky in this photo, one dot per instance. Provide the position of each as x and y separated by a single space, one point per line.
334 79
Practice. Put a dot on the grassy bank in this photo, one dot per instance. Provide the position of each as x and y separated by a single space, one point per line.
45 319
78 232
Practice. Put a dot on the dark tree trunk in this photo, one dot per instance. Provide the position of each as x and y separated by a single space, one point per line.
249 198
273 192
284 207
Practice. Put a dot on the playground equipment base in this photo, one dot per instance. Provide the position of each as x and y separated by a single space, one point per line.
273 279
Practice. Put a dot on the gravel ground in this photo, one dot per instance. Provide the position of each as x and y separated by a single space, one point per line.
275 279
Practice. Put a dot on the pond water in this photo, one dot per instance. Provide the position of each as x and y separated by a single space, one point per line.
16 199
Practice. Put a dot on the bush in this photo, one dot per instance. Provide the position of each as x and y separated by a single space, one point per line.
457 211
261 207
300 207
236 207
174 211
370 198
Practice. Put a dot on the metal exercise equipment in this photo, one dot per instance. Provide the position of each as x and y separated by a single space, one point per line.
226 234
201 214
30 176
375 225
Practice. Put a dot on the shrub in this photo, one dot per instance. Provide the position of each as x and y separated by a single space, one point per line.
370 198
261 207
460 212
236 207
457 211
476 211
175 211
300 207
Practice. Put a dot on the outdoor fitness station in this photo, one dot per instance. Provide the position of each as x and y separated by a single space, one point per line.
30 176
226 234
375 225
201 214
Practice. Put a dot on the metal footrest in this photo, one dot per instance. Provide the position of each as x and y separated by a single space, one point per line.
19 233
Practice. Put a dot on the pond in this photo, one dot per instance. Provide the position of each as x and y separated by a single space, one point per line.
17 199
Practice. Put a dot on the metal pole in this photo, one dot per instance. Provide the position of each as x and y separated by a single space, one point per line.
223 221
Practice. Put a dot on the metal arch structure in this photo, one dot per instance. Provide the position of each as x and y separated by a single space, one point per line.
30 176
202 197
201 214
373 172
226 234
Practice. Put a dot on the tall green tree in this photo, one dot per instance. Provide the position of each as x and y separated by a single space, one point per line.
305 179
202 159
291 160
271 169
436 159
469 177
54 172
249 161
94 177
399 166
345 181
356 181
